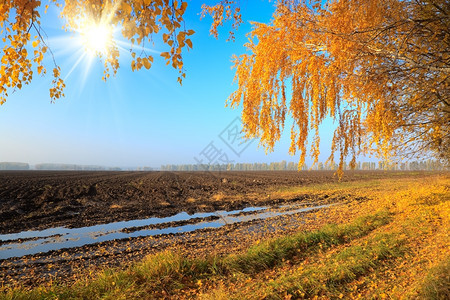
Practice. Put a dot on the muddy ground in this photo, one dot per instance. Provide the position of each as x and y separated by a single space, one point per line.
39 199
71 264
45 199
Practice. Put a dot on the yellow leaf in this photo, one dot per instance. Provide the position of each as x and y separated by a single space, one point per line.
166 55
126 8
146 63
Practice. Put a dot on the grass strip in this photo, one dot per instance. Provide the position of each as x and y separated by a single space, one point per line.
167 272
437 282
270 253
328 278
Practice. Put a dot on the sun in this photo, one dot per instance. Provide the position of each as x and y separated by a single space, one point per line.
96 38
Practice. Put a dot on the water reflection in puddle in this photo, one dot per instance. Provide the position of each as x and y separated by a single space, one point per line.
61 237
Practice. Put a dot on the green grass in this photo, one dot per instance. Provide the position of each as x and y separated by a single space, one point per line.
166 273
270 253
382 253
437 282
328 279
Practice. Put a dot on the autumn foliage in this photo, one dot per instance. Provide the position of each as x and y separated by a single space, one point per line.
17 20
139 22
380 69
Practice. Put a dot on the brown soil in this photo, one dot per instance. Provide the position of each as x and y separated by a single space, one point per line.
69 265
45 199
38 200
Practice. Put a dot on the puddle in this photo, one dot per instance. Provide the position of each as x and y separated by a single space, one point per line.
61 237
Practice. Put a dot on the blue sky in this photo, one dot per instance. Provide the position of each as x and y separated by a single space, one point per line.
142 118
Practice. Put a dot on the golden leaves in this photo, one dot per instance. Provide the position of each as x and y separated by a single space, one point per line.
147 62
166 55
126 8
58 84
139 22
153 17
224 11
189 43
345 63
16 66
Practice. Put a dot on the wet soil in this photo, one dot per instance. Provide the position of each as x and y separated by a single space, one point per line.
36 200
72 264
44 199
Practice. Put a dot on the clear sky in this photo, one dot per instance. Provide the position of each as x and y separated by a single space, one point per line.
142 118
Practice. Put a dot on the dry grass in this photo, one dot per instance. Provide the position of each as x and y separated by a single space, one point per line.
218 197
190 200
393 244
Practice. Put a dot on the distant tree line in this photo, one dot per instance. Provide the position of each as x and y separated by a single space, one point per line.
54 167
144 169
273 166
14 166
426 165
64 167
72 167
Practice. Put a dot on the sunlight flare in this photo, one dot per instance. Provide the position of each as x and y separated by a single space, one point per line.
96 38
